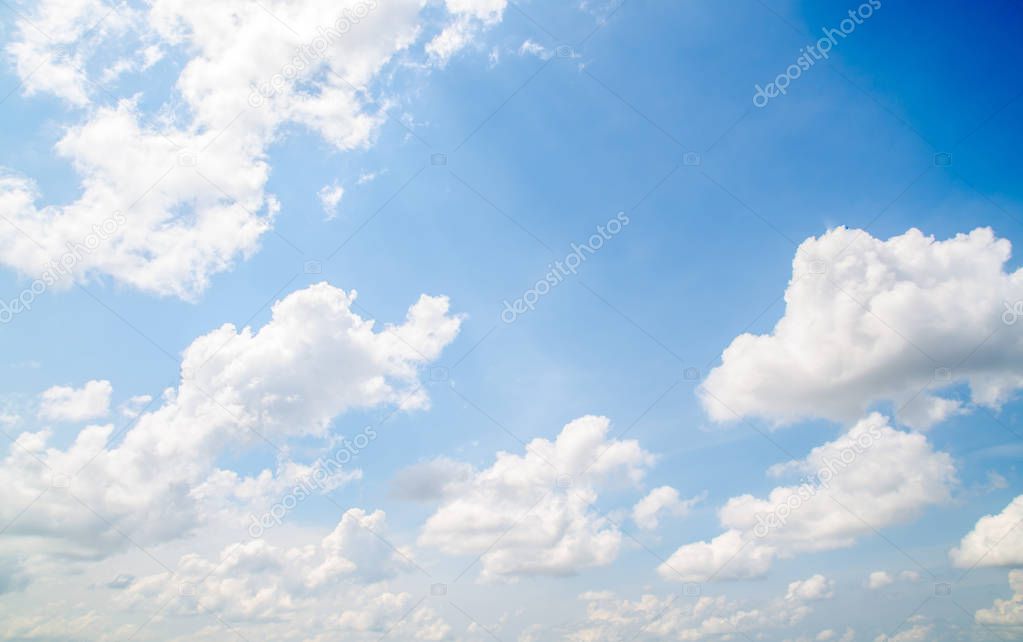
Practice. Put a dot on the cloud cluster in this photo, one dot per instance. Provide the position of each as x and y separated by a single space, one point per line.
314 360
64 403
532 514
996 540
1008 612
609 617
660 501
870 477
869 321
190 177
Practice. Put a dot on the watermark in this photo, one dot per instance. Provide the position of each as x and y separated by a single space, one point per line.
61 267
308 55
1013 312
811 485
559 270
318 481
810 54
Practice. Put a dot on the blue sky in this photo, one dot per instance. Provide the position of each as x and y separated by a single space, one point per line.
467 172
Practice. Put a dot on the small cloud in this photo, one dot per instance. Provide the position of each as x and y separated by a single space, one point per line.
64 403
330 198
879 579
532 48
367 177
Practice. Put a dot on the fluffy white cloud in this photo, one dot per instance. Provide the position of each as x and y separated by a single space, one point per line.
662 500
811 589
313 360
879 579
330 197
996 540
868 321
609 617
915 633
64 403
531 514
172 197
254 580
871 477
1006 612
470 17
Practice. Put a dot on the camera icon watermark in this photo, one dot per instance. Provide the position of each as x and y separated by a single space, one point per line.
313 267
1013 312
439 373
187 158
943 159
564 51
692 159
943 589
691 374
438 590
691 589
943 374
438 159
563 481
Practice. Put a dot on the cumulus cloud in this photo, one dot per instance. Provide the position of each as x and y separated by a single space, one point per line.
531 514
872 476
915 633
179 194
609 617
336 585
314 360
330 197
663 500
996 540
879 579
64 403
1008 612
869 321
811 589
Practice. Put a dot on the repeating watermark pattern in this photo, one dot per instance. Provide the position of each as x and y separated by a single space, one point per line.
307 55
61 268
811 485
317 482
1013 312
810 54
559 270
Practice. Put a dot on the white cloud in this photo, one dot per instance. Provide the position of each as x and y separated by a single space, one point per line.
533 48
330 197
871 477
335 585
470 18
255 581
181 191
609 617
1006 612
811 589
916 633
879 579
314 360
64 403
996 540
662 500
860 328
531 514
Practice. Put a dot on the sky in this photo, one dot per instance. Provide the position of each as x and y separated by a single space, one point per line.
469 320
